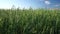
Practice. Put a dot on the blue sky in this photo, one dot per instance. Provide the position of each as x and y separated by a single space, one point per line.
30 3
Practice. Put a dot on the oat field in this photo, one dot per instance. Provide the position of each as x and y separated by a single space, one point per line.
39 21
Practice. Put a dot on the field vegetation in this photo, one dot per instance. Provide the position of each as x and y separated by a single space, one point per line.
38 21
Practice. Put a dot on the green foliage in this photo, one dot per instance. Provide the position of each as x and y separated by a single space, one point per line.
30 21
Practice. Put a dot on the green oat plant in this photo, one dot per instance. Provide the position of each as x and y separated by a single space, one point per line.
38 21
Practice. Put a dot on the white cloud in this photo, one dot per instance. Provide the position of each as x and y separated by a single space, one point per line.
41 0
47 2
57 5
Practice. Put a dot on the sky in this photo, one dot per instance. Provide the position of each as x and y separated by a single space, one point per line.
6 4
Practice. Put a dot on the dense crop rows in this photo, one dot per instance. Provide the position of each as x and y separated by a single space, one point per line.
38 21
